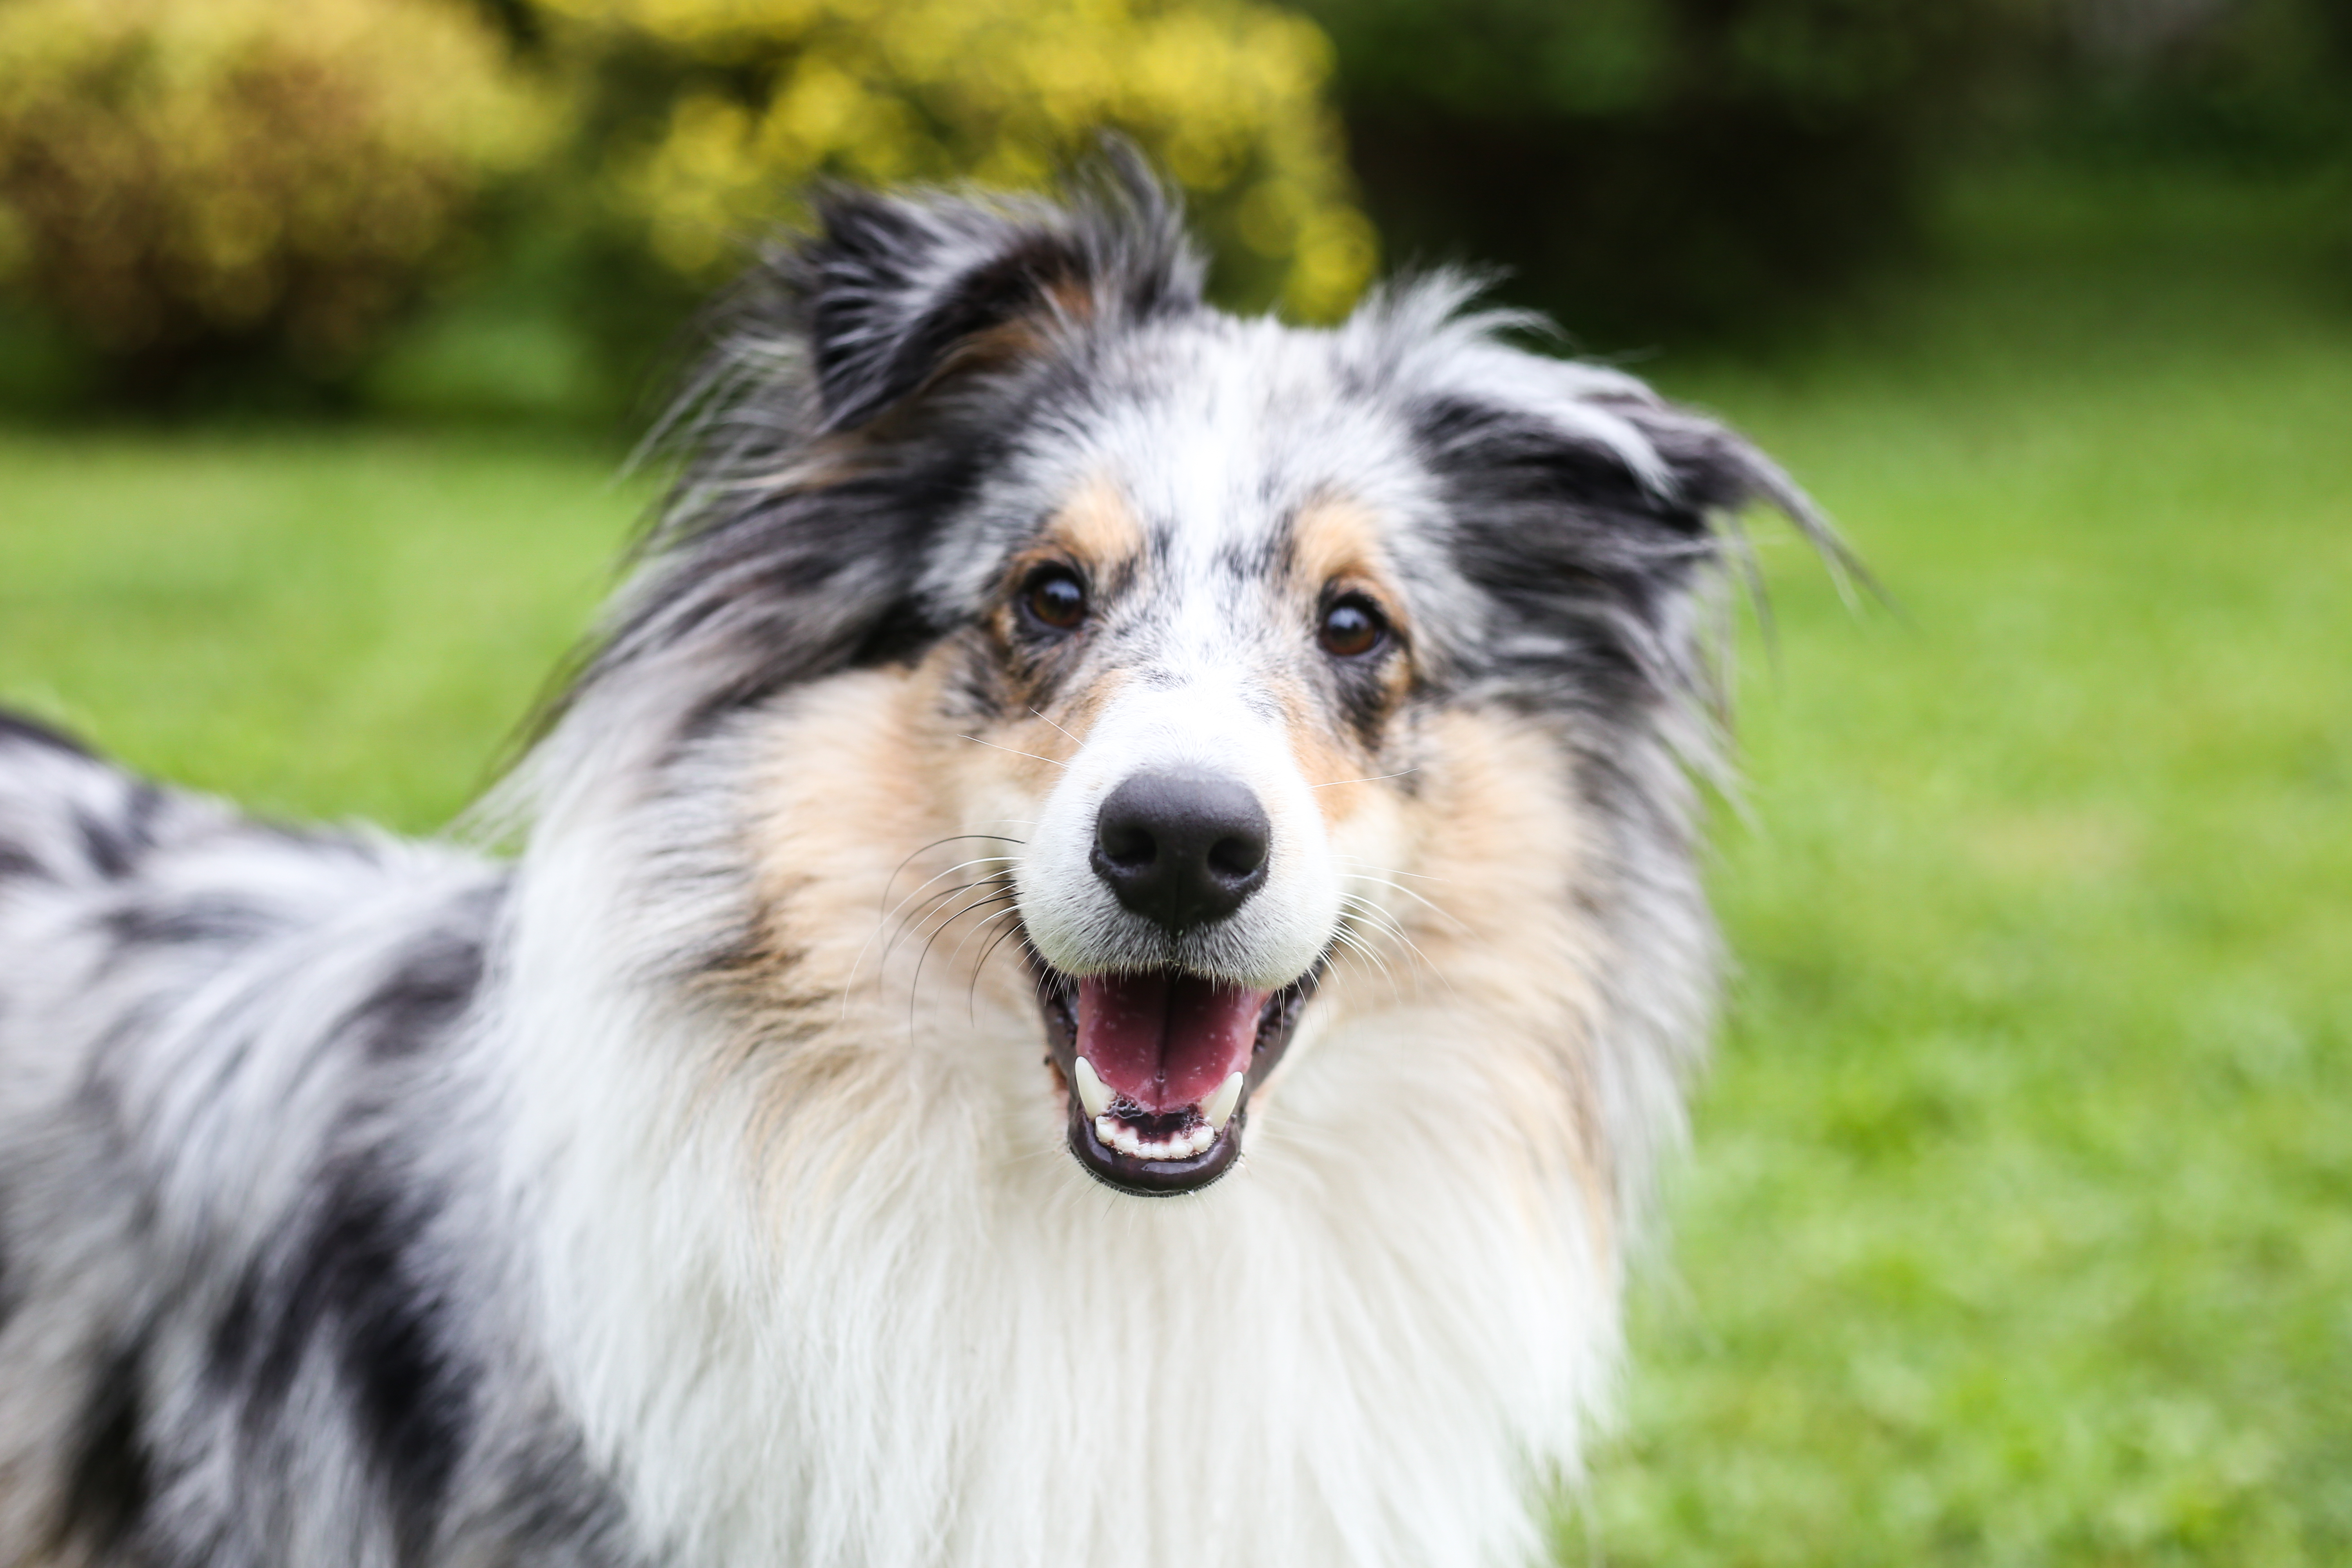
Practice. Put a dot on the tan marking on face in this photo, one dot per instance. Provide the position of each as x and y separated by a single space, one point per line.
1052 737
865 792
1337 538
1496 841
1337 548
1335 766
1095 527
906 800
1098 533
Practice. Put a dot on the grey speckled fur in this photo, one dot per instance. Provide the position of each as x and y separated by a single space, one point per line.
272 1270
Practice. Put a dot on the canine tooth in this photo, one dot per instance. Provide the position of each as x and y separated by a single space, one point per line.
1220 1107
1093 1093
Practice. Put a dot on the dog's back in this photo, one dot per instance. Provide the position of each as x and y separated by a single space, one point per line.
226 1325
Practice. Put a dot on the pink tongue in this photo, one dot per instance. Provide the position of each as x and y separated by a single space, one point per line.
1166 1040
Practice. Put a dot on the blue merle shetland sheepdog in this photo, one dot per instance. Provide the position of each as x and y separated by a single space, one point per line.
1102 947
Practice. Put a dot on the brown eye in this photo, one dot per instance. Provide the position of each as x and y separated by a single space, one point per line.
1055 597
1351 628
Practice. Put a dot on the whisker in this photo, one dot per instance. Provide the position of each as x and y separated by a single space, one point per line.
1372 960
1007 935
931 904
934 844
975 860
1074 740
1014 750
971 987
1389 926
915 983
924 913
1433 908
1373 778
982 924
882 916
1360 860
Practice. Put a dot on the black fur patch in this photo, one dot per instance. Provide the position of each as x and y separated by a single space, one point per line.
115 845
415 1408
109 1486
195 921
349 1301
1578 555
893 288
867 360
434 982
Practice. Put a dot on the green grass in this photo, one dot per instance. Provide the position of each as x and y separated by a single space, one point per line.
2019 1226
338 624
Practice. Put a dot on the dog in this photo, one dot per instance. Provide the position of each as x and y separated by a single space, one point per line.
1093 966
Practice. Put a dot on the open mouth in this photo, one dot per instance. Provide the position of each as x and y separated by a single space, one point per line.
1160 1066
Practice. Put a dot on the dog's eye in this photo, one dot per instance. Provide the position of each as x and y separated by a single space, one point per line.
1351 628
1055 597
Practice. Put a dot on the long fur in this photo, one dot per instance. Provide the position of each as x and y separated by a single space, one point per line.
689 1188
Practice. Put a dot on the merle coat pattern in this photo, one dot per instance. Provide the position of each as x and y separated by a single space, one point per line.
667 1194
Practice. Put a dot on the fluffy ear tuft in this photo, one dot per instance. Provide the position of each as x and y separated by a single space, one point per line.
897 291
1585 506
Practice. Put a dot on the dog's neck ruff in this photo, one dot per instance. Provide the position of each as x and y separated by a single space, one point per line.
892 1324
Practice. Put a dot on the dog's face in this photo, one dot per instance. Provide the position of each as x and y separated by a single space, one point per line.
1180 605
1193 667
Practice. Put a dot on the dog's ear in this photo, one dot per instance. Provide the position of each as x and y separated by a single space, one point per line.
899 293
1585 507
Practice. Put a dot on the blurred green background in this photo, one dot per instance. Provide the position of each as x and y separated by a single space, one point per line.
2019 1224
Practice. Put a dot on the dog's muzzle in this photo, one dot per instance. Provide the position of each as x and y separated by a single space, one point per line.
1160 1063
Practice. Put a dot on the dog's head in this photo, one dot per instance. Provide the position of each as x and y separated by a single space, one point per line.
1187 610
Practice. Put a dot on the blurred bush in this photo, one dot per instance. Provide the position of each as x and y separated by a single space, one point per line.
543 188
717 111
2252 86
1675 170
187 181
266 186
1652 167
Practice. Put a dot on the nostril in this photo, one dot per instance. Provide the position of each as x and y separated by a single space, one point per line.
1237 855
1127 843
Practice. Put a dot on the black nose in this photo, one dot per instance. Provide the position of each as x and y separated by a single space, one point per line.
1181 849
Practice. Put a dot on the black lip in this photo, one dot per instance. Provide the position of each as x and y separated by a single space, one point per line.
1057 1000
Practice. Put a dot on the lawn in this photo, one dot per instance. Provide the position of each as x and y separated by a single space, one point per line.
2018 1227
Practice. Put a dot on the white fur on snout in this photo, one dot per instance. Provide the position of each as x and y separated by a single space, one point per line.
1206 725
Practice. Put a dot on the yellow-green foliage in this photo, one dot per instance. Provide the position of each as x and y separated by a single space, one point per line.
177 170
1227 95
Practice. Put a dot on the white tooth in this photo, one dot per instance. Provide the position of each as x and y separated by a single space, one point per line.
1220 1108
1093 1093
